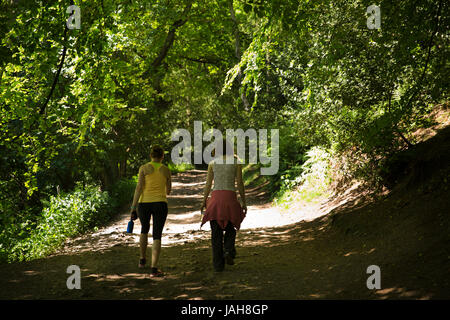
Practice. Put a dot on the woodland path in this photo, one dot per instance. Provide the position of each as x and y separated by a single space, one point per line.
281 254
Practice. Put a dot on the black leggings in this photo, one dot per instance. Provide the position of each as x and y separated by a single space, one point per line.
159 212
220 242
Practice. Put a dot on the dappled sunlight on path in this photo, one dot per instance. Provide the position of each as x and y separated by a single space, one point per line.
312 250
183 221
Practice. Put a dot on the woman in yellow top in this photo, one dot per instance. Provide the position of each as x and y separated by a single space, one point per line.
154 183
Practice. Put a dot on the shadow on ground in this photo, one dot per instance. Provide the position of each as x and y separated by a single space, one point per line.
326 258
406 233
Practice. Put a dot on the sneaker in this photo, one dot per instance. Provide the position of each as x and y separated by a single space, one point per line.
142 263
156 274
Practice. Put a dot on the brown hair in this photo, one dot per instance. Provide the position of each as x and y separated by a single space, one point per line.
157 152
225 150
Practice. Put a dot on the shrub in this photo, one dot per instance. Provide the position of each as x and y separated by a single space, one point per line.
307 181
63 216
182 167
122 191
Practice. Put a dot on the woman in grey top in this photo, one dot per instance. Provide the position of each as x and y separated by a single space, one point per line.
223 210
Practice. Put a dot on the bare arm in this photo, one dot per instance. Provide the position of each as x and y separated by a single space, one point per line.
209 180
169 181
240 185
139 188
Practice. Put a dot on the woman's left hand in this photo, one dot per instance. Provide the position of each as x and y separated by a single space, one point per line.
133 213
203 207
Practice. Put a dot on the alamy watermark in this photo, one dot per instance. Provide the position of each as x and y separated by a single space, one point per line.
74 20
257 146
74 280
374 19
374 281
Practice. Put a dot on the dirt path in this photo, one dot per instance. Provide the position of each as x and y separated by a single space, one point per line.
183 222
278 257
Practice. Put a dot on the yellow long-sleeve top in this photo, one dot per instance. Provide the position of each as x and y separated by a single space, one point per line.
154 177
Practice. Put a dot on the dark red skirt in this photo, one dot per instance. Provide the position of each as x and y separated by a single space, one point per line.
224 207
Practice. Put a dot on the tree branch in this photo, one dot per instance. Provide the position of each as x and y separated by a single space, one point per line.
158 61
421 78
430 45
61 63
168 42
238 54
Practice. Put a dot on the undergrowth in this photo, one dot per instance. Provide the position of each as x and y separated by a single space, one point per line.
64 215
307 181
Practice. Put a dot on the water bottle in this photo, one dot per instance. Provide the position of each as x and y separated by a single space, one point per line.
131 222
130 226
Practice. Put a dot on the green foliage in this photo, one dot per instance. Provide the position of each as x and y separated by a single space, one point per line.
307 181
177 168
346 86
121 193
63 216
137 70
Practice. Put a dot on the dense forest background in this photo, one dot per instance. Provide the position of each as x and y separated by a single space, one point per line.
80 108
